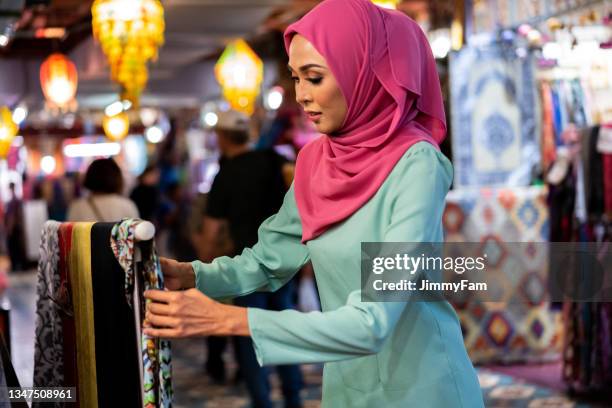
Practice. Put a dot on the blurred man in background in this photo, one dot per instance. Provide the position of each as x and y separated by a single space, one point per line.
248 189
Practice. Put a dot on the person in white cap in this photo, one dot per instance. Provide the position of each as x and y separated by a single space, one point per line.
248 189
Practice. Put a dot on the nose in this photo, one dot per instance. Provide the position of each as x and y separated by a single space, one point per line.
302 96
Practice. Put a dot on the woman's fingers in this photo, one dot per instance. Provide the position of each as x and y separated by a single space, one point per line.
169 267
161 309
163 333
160 321
161 295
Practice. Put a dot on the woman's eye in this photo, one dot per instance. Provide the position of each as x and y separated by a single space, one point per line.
315 81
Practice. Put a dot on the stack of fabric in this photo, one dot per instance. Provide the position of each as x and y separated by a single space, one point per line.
89 317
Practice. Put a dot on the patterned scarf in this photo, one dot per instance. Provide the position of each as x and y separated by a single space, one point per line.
156 354
49 351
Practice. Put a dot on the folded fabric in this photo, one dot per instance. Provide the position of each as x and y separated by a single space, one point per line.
117 351
48 346
82 304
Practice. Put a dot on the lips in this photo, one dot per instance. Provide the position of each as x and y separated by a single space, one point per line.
314 116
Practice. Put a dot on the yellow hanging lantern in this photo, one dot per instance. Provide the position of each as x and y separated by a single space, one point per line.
390 4
116 127
130 33
240 73
58 79
8 131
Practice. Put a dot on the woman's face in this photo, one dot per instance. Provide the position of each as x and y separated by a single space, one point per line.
316 89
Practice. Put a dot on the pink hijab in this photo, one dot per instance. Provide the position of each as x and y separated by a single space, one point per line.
387 74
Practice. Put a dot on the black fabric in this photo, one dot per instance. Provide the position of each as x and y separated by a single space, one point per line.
118 374
248 189
595 184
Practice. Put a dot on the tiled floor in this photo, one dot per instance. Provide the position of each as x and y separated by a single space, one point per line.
193 389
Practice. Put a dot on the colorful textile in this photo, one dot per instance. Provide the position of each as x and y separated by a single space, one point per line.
394 100
494 144
48 349
587 351
65 302
520 328
82 304
156 353
549 152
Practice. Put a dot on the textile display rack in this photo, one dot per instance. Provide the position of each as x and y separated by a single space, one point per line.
90 310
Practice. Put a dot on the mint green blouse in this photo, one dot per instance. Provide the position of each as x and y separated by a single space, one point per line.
376 354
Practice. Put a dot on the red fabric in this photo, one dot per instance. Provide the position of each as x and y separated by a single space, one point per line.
386 71
68 325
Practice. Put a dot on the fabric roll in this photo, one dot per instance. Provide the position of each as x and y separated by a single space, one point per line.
48 348
65 303
117 369
82 303
156 355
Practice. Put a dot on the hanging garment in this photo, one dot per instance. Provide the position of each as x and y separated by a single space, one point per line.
117 371
587 351
494 144
82 304
607 177
48 349
521 328
155 352
65 302
548 127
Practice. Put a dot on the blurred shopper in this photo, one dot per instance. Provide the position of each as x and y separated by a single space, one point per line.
146 194
175 214
248 189
15 231
104 203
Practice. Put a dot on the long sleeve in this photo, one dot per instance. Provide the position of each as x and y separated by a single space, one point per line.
415 192
273 260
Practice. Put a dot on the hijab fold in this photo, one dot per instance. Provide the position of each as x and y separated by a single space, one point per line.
384 66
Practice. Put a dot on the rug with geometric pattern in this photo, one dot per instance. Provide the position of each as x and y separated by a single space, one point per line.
193 389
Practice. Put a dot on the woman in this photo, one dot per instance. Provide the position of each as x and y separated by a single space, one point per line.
367 79
105 203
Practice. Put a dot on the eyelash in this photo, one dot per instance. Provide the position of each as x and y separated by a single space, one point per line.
314 81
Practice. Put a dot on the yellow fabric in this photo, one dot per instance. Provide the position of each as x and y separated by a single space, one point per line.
82 301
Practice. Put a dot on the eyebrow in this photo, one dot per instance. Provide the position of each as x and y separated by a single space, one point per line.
306 67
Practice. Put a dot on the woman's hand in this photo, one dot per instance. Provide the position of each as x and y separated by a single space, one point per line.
190 313
177 275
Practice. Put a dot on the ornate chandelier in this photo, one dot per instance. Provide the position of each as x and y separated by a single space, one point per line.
58 80
130 33
240 73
